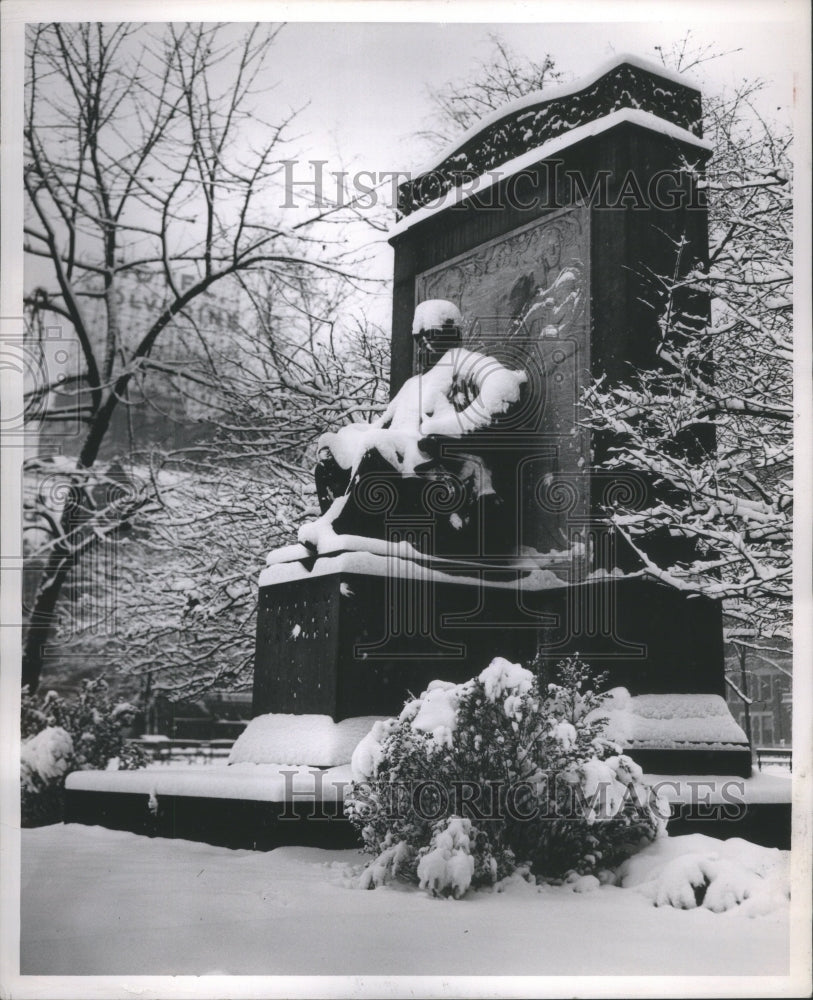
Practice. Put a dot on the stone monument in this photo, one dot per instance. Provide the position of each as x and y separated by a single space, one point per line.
532 240
469 520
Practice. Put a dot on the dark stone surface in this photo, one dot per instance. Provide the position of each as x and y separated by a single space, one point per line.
764 823
234 823
627 244
244 824
690 761
362 652
365 651
616 254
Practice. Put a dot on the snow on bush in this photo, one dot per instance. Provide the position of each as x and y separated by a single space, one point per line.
475 781
62 735
447 866
719 875
45 757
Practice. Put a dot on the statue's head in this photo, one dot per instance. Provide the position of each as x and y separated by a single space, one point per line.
437 328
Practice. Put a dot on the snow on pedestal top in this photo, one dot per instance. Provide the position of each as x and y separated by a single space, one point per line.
316 740
668 720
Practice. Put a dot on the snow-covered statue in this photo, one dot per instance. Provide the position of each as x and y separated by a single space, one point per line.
412 463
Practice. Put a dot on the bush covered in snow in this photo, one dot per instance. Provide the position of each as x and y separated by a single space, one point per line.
474 781
45 759
61 735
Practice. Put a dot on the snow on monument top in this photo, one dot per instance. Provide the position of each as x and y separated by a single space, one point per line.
627 89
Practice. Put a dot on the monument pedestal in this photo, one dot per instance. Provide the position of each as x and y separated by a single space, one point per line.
346 643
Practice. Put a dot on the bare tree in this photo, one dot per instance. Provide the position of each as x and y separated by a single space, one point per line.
733 499
185 574
500 78
148 159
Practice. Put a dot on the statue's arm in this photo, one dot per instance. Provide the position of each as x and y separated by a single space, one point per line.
495 388
385 419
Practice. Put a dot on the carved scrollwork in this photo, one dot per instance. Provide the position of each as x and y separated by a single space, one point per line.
556 494
377 493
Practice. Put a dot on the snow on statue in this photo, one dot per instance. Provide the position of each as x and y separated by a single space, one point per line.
410 460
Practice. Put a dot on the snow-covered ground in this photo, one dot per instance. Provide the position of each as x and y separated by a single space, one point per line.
104 902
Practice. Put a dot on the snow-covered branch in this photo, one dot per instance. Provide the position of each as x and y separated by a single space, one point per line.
711 429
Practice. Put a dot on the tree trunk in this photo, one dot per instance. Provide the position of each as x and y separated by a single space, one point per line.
41 624
64 557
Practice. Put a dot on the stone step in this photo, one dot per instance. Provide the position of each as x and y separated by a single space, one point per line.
278 806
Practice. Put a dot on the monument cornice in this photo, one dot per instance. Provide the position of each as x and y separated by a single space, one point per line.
531 124
451 195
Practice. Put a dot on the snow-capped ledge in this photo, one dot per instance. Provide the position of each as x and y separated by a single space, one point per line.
550 94
524 575
280 782
256 782
457 195
713 789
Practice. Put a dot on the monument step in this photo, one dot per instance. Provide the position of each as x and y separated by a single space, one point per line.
278 806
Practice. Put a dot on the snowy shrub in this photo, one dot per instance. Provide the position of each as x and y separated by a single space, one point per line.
45 759
475 781
62 735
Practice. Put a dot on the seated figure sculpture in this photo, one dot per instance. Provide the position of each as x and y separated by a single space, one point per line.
412 456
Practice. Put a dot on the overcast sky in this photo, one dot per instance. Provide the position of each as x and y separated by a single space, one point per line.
365 83
366 80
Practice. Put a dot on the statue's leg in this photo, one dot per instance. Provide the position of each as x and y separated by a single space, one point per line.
372 494
331 479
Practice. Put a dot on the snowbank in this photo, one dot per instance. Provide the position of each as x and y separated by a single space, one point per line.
719 875
300 739
97 901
